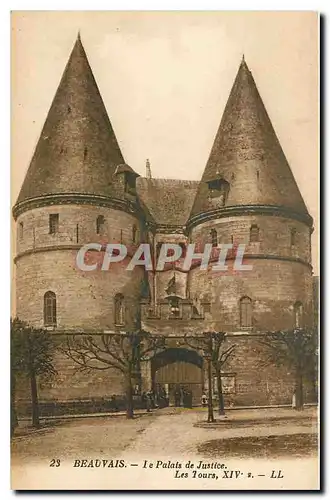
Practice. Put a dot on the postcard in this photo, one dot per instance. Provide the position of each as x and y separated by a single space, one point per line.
165 227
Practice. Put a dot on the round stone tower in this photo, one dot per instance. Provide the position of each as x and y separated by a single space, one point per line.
248 195
77 190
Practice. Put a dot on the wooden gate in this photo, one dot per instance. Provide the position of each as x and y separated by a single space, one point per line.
177 371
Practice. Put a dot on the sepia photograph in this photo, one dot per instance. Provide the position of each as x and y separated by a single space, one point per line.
164 330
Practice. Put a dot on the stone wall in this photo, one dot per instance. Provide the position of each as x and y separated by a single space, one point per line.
47 262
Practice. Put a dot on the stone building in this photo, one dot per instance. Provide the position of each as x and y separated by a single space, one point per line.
78 189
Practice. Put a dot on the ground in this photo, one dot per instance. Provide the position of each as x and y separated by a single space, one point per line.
170 435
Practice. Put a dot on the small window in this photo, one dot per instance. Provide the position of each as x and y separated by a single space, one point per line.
254 233
130 186
219 188
50 309
207 307
100 224
21 230
85 153
53 223
293 233
134 233
174 307
214 237
298 314
246 312
119 309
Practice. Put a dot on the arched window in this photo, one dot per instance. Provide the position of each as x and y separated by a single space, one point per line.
254 233
50 309
246 312
100 223
293 233
21 230
119 309
298 314
134 233
214 237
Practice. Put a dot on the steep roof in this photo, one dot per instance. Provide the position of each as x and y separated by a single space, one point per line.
169 201
77 151
247 154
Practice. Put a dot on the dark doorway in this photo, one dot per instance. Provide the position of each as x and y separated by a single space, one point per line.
179 373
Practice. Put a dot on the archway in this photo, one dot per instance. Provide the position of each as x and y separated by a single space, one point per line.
178 372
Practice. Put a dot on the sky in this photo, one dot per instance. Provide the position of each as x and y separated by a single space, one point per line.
165 78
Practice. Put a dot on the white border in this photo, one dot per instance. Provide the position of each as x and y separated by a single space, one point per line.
321 6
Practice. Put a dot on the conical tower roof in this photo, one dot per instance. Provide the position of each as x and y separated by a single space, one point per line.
77 151
247 154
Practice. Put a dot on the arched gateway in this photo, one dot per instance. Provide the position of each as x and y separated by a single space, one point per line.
178 370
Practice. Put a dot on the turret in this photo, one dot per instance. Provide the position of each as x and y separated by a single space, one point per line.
78 189
248 195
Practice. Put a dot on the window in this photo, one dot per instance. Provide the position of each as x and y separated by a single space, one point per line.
174 307
245 312
119 309
100 223
214 237
21 230
298 314
130 187
219 188
254 233
207 307
50 309
134 231
293 237
53 223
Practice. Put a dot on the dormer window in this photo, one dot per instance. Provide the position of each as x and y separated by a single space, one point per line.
219 188
130 183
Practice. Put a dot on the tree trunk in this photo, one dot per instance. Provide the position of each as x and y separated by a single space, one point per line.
129 396
13 414
210 416
220 394
299 392
34 399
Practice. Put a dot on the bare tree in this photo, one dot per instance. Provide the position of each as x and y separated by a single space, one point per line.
32 355
211 347
295 349
119 351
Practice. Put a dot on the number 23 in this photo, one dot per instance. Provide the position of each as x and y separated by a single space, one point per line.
55 462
